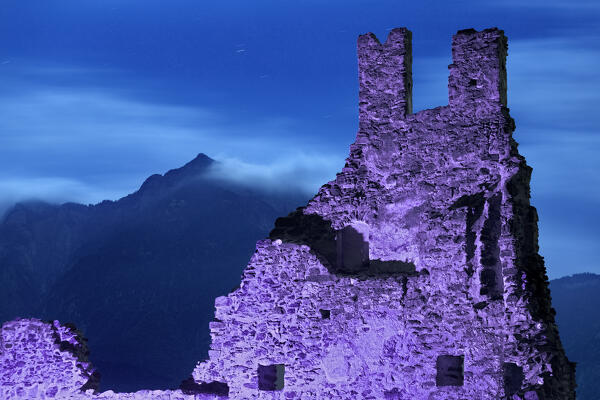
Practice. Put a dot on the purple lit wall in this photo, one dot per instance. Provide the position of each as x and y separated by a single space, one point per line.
452 302
415 274
47 360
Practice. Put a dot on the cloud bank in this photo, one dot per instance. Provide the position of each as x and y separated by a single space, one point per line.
299 171
85 143
98 132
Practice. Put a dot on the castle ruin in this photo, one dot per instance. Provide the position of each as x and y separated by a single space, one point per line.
415 274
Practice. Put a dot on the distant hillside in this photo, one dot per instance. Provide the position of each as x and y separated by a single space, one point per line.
139 275
576 300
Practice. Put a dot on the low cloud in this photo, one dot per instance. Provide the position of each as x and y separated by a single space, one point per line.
554 82
299 171
84 139
87 143
554 90
565 164
49 189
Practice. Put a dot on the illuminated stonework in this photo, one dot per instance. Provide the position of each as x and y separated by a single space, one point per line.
414 274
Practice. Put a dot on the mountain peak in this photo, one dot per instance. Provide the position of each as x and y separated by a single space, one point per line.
200 161
199 164
192 169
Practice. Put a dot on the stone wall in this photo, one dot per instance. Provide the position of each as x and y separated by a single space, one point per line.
42 360
442 190
47 360
414 274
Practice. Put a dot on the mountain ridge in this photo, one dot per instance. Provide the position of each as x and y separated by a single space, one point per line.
575 299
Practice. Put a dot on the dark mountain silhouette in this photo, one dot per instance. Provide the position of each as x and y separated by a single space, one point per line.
576 300
139 275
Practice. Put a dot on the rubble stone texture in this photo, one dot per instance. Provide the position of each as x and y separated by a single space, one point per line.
415 274
47 360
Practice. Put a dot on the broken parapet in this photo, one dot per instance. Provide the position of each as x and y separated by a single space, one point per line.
415 274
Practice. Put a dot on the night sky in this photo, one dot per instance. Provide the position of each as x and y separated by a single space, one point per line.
97 95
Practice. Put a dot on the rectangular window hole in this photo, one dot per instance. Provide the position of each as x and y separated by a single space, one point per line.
450 370
325 314
513 378
352 250
270 377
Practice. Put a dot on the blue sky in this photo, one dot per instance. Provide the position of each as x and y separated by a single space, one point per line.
97 95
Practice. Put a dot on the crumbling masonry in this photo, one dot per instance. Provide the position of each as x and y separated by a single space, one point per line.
414 274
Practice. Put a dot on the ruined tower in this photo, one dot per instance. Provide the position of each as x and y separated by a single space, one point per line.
415 274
